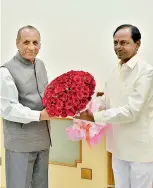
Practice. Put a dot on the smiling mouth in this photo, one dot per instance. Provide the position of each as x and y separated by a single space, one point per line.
30 53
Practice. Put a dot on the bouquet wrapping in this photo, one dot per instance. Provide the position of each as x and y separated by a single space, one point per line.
89 131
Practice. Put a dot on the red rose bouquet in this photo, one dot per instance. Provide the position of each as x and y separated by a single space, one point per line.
69 93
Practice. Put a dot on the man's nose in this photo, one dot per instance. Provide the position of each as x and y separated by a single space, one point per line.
119 46
31 46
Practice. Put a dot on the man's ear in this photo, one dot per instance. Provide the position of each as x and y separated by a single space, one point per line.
138 43
17 43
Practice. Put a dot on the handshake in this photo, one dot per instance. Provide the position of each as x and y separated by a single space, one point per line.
86 115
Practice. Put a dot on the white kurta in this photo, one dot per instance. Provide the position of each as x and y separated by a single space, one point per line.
128 97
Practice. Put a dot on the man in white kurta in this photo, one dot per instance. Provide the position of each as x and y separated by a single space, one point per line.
128 99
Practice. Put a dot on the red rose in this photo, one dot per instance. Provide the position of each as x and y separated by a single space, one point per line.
58 89
75 101
80 95
73 87
84 101
68 82
58 111
87 79
59 104
54 95
79 88
63 114
70 112
78 79
50 111
85 88
85 94
91 93
44 102
68 104
81 106
63 97
53 100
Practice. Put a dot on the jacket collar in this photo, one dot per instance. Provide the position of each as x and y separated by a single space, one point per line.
22 59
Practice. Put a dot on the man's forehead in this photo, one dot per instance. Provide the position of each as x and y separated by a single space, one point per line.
122 34
30 33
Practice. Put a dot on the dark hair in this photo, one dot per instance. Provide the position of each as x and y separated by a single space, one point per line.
25 27
136 35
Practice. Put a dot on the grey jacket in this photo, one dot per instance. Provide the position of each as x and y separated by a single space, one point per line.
31 80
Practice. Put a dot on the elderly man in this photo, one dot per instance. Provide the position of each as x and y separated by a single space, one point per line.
26 136
128 99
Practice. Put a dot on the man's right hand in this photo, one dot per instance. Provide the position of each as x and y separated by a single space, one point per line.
44 115
86 115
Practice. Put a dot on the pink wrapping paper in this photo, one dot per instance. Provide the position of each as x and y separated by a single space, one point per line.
85 130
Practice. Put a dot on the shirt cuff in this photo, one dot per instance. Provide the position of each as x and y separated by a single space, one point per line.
98 117
35 115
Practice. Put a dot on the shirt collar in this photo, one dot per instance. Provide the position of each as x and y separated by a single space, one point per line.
132 62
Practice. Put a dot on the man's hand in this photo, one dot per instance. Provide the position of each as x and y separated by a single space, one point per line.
44 115
86 116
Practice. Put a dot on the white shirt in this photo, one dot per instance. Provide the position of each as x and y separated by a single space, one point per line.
10 108
128 97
